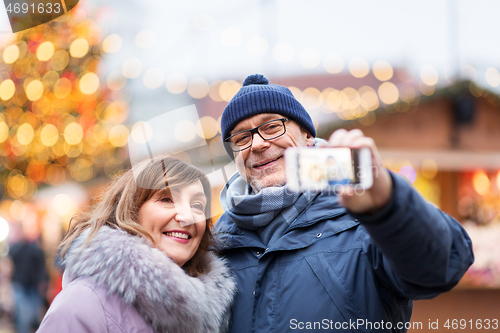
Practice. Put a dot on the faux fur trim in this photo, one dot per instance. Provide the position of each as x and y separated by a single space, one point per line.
166 297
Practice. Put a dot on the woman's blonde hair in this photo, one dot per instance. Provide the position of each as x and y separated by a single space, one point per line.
120 204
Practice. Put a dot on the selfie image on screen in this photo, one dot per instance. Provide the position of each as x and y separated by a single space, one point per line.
325 167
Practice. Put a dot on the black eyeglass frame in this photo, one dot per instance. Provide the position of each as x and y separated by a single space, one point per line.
256 130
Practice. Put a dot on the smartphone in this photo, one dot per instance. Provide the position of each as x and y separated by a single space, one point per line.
322 169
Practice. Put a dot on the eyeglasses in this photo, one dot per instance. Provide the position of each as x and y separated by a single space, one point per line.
267 131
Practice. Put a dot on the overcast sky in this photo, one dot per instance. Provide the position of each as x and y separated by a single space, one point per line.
445 34
407 34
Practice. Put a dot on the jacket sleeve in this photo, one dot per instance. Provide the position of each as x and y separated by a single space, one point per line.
415 249
77 309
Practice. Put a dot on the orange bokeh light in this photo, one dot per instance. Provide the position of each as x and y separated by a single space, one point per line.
498 179
481 182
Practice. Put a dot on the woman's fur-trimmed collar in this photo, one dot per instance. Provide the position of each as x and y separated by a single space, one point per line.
166 297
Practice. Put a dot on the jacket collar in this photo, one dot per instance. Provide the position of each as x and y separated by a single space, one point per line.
167 298
324 207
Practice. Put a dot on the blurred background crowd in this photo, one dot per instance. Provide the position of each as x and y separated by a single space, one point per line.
422 79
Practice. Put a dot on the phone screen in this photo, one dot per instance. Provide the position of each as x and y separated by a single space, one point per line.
327 167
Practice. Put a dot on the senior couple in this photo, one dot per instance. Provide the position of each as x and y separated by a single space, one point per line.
141 260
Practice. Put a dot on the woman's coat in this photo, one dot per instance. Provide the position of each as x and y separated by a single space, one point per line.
118 283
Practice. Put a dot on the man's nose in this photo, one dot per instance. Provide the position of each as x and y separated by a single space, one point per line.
258 142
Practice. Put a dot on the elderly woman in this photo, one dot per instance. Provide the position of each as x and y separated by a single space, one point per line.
140 260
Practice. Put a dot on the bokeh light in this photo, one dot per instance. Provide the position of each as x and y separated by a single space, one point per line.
311 98
176 83
228 89
79 48
49 135
382 70
132 68
10 54
45 51
62 88
213 91
498 180
4 229
4 131
358 67
206 127
60 60
73 133
297 93
118 135
34 90
388 93
112 43
198 88
89 83
7 89
369 99
62 204
25 134
481 182
492 77
408 172
153 78
141 132
429 75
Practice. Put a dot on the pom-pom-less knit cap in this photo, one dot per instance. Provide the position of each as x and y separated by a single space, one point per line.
258 96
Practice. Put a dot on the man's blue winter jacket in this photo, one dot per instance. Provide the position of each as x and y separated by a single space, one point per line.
335 270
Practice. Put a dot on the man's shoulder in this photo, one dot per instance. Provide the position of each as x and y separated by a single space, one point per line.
223 225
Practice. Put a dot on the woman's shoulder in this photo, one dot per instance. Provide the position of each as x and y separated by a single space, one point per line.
84 306
77 308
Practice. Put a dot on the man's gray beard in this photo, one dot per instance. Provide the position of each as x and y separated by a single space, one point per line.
257 185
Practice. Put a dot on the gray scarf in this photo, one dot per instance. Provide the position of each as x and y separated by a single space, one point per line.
268 212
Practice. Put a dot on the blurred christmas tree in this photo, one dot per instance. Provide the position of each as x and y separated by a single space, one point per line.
58 120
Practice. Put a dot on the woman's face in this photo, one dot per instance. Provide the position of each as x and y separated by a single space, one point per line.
176 220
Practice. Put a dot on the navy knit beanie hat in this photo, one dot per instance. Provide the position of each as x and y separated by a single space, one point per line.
258 96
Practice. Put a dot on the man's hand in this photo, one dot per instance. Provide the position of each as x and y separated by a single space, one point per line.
375 198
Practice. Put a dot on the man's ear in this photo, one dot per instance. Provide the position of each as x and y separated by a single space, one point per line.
309 138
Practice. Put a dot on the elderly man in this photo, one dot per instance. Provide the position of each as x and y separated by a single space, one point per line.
315 261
